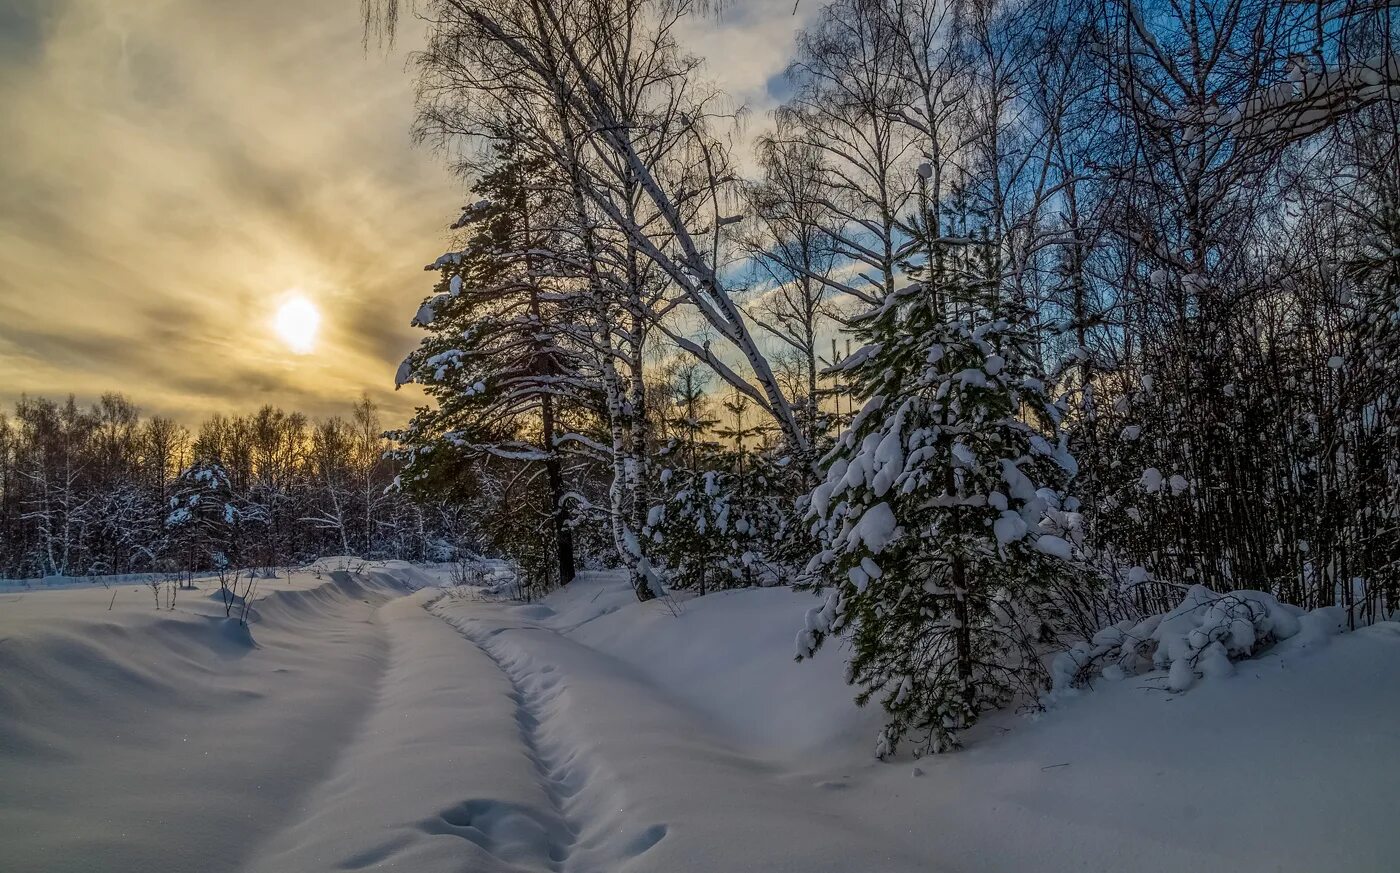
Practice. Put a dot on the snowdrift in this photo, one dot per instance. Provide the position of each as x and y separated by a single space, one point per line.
1285 764
729 654
351 727
1203 636
133 739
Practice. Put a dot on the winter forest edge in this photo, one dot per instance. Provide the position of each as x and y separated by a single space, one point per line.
1040 342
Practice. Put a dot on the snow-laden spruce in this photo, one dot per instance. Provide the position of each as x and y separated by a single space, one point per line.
207 524
942 514
724 511
496 360
719 529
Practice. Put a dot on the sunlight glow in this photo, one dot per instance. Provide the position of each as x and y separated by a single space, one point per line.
296 323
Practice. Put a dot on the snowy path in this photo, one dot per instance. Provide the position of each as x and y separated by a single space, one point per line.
558 771
500 746
431 781
643 781
365 726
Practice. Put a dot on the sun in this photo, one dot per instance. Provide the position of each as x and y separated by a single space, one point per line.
296 324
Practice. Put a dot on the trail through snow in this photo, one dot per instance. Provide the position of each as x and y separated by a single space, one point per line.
497 744
371 720
640 778
434 779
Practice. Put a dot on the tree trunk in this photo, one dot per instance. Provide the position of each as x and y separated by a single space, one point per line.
563 537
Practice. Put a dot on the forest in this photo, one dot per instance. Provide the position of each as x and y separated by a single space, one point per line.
103 490
1013 323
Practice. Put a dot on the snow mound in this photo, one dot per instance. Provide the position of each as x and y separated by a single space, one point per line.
155 728
1202 637
748 690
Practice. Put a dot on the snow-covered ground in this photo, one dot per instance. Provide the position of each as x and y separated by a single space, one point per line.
371 720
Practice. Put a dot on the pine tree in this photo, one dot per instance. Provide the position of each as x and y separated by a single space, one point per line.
497 360
944 528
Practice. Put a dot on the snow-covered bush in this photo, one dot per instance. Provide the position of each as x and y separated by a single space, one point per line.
207 524
1203 636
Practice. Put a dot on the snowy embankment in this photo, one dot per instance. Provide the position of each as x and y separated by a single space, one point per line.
365 725
1288 764
136 739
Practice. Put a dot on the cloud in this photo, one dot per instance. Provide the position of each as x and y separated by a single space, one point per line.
748 47
173 168
176 167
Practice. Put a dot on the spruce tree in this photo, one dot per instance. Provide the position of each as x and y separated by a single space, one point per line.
941 513
722 512
682 525
206 520
497 360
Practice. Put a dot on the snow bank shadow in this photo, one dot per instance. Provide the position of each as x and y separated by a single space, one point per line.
376 856
227 638
510 832
644 841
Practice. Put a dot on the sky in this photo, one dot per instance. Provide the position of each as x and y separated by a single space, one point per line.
172 172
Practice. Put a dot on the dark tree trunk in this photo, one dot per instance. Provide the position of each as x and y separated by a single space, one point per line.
563 537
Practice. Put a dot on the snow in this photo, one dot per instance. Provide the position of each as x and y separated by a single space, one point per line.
963 455
1203 635
1054 546
971 378
1110 780
174 739
876 528
368 719
656 515
1151 480
1009 527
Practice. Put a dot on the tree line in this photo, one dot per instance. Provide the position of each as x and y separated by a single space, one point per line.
103 490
